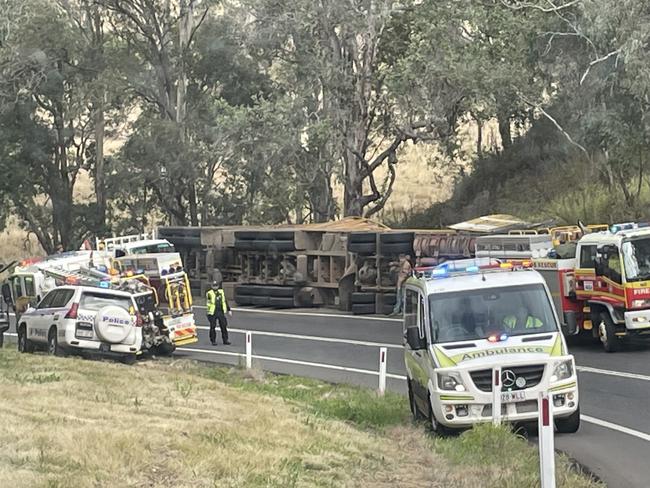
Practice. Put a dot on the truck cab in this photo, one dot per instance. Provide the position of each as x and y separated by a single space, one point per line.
460 324
612 279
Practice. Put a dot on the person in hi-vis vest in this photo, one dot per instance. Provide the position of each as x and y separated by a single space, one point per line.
217 308
521 320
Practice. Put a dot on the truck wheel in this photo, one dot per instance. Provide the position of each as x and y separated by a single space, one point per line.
416 415
53 347
570 424
24 344
607 331
129 359
436 427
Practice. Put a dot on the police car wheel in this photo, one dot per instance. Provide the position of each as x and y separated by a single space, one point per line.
24 344
415 410
607 331
53 347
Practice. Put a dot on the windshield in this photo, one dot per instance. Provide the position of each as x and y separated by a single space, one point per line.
477 314
636 259
162 247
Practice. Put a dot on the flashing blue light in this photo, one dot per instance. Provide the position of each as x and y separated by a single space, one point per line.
472 269
503 337
104 284
439 273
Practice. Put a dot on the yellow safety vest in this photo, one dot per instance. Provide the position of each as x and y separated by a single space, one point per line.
211 301
531 322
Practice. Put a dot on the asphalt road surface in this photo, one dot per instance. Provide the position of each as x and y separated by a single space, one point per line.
613 441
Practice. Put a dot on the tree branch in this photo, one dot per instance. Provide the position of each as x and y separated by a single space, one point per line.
599 60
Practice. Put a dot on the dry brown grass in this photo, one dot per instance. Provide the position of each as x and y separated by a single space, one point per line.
77 423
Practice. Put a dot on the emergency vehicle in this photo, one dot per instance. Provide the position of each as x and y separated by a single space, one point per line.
165 274
461 320
605 289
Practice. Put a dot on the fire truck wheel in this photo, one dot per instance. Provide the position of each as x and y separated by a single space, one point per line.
607 331
570 424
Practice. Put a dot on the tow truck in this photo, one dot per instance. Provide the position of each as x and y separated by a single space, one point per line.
462 319
171 310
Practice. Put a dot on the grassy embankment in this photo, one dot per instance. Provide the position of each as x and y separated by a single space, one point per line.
72 422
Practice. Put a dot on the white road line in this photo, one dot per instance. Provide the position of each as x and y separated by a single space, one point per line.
621 374
619 428
312 314
309 338
297 362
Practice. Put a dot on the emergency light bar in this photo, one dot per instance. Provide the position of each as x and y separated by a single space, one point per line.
614 229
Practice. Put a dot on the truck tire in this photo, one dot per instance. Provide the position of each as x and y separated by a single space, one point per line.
274 246
570 424
363 297
24 344
278 291
259 301
397 238
243 299
362 237
242 245
389 298
397 248
363 308
253 290
362 247
607 331
278 302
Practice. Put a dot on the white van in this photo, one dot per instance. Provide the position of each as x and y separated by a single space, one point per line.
83 319
458 325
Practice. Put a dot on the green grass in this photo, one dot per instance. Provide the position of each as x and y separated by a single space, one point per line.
67 422
359 406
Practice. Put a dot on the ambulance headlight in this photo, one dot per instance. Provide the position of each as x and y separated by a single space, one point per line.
451 382
562 371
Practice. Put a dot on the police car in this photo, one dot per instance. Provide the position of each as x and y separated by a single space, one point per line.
83 319
461 320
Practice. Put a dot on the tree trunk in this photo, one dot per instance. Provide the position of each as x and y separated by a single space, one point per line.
100 175
505 130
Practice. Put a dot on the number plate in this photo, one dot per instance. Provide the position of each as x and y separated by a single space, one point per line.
512 396
105 348
85 333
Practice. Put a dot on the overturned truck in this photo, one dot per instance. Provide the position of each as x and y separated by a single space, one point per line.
350 264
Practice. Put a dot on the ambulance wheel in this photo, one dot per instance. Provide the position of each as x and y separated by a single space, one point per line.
416 415
436 427
607 332
570 424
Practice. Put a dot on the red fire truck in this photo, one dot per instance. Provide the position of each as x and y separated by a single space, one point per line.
605 289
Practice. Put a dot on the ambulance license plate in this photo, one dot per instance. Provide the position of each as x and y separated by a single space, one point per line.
512 396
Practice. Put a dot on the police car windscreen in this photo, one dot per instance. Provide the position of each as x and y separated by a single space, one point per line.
477 314
96 301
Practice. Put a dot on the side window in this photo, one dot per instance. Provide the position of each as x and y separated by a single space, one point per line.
47 301
18 287
612 266
62 298
29 286
421 315
411 309
588 256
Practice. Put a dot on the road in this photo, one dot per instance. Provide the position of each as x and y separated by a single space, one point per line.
614 438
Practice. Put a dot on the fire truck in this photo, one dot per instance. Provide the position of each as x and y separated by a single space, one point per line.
605 289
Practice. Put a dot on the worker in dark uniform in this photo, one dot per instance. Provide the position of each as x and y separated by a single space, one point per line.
217 308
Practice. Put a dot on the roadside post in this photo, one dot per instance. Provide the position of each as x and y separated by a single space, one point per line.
249 350
496 396
546 441
382 370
